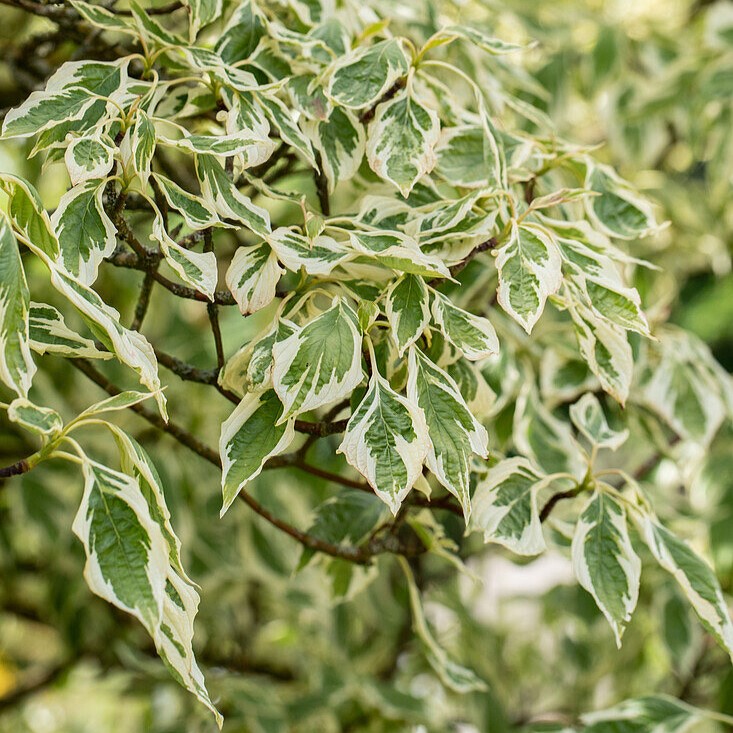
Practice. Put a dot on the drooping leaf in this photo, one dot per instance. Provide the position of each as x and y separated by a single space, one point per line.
49 334
604 561
242 34
386 440
473 335
455 434
39 420
142 142
249 437
16 362
85 233
195 210
408 310
401 141
505 506
320 363
587 415
252 277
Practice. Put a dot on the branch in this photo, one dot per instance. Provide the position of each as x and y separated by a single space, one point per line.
16 469
484 246
368 115
555 498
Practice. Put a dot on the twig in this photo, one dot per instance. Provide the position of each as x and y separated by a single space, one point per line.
17 468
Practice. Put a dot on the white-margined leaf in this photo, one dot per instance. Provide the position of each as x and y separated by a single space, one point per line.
252 151
341 141
505 506
620 305
39 420
87 158
16 362
695 577
466 158
529 271
259 368
618 211
316 257
49 334
473 335
604 560
398 252
386 440
253 276
85 233
494 46
226 199
242 34
320 363
28 215
408 310
587 415
401 141
249 436
605 348
198 269
455 434
142 142
195 210
201 13
474 388
362 76
102 18
281 117
115 403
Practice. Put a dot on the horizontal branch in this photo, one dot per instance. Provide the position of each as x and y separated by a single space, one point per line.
16 469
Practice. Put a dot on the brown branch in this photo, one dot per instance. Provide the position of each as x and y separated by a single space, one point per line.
321 182
143 301
213 312
484 246
17 468
556 498
368 115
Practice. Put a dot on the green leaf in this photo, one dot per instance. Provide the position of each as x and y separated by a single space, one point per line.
604 561
253 276
455 434
320 363
649 714
695 577
28 215
88 158
16 362
115 403
505 506
619 305
85 233
242 34
386 440
494 46
401 141
363 76
149 28
473 335
49 334
252 151
587 415
251 435
196 212
618 211
198 269
226 199
317 257
282 118
398 252
454 676
39 420
529 271
341 142
408 310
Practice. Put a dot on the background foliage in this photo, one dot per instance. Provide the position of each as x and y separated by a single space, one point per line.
331 647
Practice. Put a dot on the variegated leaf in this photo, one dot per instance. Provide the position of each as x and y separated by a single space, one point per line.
604 561
473 335
259 368
85 233
648 714
88 158
494 46
587 415
281 117
320 363
39 420
695 577
401 141
408 310
49 334
341 141
242 34
251 435
466 158
142 142
398 252
529 271
198 269
316 257
505 506
202 12
251 151
16 362
196 212
386 440
253 276
455 434
362 76
226 199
